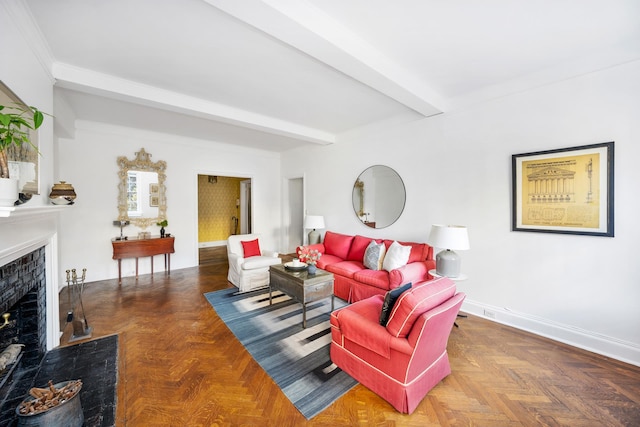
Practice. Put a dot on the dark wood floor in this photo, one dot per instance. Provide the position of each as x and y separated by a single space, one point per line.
179 365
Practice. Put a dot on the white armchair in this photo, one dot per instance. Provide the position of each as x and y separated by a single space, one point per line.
252 272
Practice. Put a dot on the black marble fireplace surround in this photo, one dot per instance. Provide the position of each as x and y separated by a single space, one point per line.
23 295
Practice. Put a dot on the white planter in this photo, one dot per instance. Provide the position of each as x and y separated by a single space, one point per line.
8 191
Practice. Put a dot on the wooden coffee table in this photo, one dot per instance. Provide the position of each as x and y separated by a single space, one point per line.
301 286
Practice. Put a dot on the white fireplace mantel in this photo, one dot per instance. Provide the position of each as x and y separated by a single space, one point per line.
24 229
14 211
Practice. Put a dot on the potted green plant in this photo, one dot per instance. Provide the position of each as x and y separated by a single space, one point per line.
162 225
15 123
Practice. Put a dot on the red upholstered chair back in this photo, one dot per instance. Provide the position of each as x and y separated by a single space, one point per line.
419 299
426 335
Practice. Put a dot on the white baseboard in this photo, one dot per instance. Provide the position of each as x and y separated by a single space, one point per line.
601 344
212 244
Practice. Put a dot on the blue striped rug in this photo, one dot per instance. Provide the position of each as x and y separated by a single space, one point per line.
296 359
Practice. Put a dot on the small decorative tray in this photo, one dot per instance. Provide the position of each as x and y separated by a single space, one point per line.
289 266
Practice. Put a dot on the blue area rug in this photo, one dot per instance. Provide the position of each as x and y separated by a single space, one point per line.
296 359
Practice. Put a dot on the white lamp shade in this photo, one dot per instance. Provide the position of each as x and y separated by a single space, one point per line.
314 221
449 237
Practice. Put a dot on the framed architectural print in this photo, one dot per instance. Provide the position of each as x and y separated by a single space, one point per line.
567 190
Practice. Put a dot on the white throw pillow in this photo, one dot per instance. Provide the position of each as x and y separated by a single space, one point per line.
396 256
373 255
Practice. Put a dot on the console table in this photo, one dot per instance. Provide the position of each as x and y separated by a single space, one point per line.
136 248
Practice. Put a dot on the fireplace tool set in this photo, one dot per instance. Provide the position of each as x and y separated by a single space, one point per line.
75 289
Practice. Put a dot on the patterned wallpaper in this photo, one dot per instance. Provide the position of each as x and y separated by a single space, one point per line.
216 207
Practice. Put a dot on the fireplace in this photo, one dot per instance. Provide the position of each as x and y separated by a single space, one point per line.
29 293
23 297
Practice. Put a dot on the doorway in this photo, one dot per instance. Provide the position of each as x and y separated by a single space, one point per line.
245 206
294 213
224 209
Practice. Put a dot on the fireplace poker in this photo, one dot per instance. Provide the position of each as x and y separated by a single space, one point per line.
84 274
81 329
70 310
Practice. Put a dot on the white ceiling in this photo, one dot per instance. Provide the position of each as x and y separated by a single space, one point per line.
276 74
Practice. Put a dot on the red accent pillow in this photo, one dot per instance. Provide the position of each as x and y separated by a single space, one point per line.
251 248
337 244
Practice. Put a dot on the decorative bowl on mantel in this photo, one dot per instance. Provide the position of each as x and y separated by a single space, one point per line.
62 194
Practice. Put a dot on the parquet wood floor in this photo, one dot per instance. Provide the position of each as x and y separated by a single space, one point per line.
179 365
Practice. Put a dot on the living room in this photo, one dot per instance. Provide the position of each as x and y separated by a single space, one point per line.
456 167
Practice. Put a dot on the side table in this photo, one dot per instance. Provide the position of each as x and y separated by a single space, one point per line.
459 278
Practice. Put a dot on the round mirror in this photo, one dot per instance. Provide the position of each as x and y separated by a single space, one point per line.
378 196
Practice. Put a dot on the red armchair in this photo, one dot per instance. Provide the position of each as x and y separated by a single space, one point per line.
405 359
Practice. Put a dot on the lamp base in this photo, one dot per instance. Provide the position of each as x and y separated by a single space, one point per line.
448 263
314 237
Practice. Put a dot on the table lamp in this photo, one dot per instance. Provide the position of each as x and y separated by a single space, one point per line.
313 222
450 238
121 224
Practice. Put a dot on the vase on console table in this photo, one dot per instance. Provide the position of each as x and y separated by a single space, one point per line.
162 232
312 269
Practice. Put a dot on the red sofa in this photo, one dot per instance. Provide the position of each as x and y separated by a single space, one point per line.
405 359
343 256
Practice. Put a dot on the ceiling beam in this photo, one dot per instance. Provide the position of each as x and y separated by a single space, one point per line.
316 34
92 82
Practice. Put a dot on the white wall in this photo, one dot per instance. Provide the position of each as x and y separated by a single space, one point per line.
31 81
457 170
88 162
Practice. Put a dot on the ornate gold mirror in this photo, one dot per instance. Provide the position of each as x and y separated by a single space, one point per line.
378 196
142 196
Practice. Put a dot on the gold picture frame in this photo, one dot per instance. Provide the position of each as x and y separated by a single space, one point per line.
567 190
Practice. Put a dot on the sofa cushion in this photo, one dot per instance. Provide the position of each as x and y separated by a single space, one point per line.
416 301
358 247
337 244
374 256
251 248
326 260
260 262
418 251
396 256
377 278
389 301
345 268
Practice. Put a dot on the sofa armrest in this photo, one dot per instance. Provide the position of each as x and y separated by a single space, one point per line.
358 323
317 246
413 272
235 259
268 253
235 264
365 333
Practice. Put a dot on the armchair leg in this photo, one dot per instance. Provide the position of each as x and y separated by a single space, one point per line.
459 315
